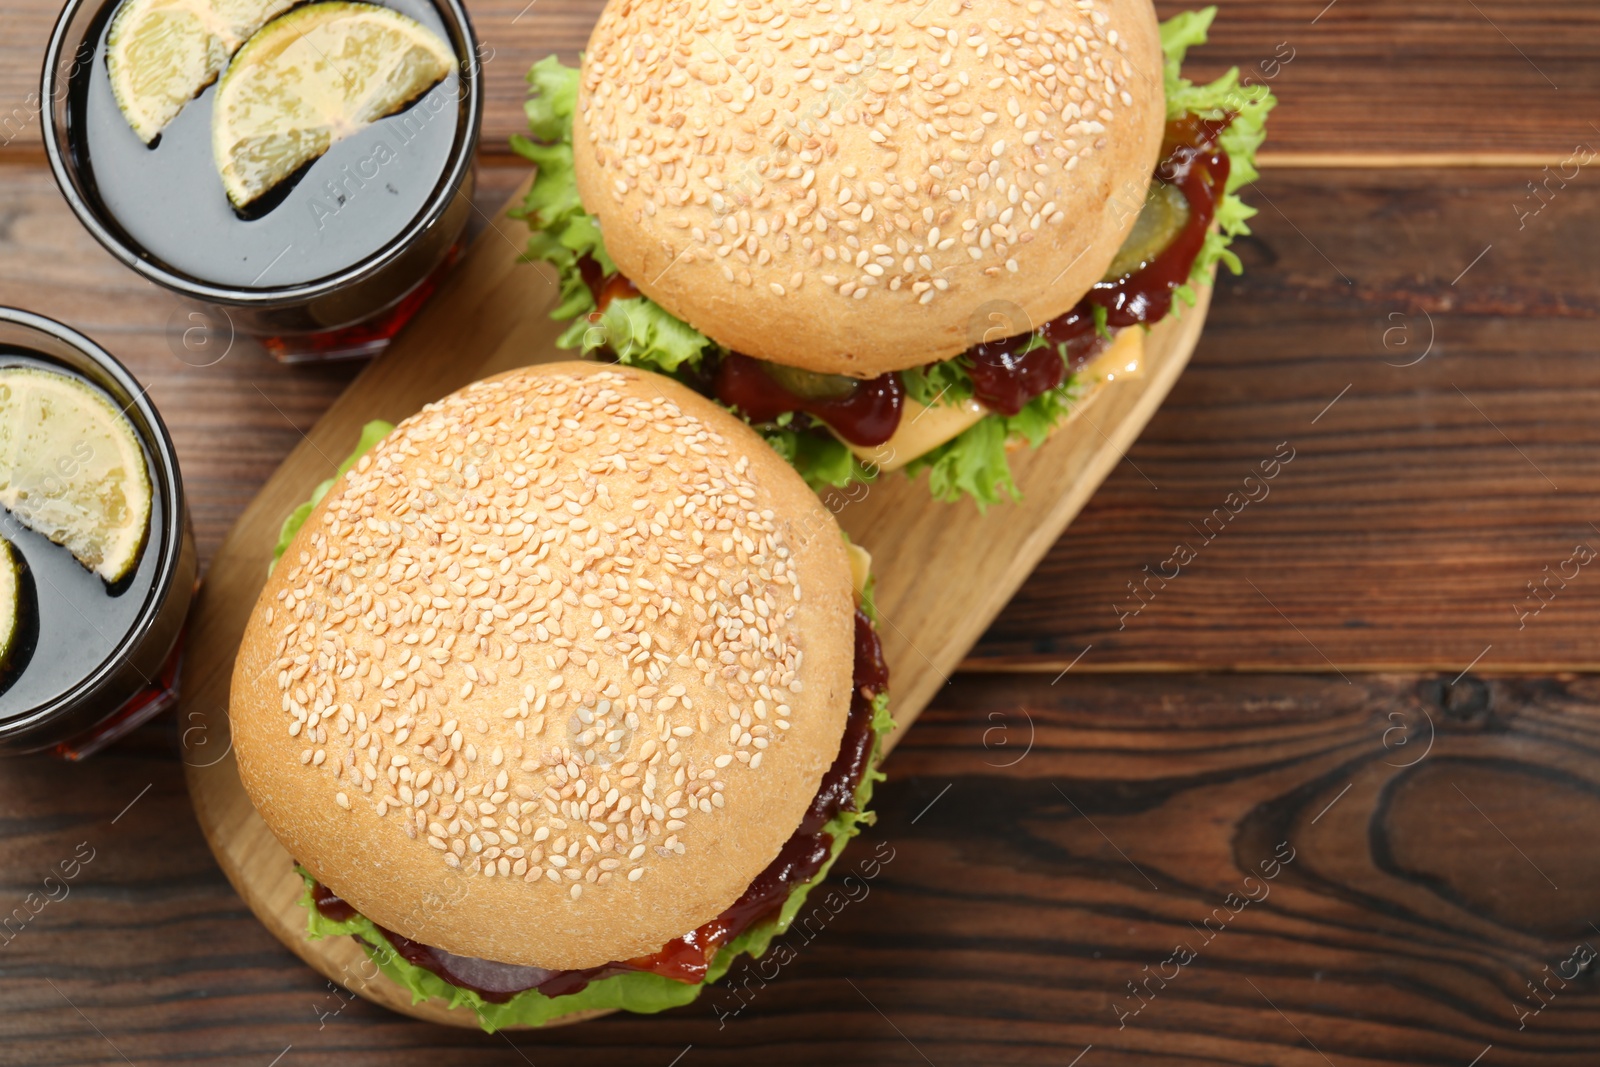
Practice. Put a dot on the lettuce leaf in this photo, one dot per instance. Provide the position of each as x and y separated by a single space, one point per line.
946 382
1249 104
371 434
637 991
642 334
822 459
869 604
562 232
974 464
638 330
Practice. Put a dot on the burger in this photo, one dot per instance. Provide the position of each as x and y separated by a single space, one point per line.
887 234
562 696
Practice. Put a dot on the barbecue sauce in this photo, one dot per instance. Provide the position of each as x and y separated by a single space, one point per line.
1194 162
687 958
604 287
330 905
867 415
1006 374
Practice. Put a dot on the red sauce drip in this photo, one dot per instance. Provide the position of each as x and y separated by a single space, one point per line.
1197 165
329 904
1004 377
593 275
871 672
615 287
870 677
687 958
867 415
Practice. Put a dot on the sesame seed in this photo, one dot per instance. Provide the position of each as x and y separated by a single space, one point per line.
777 134
502 590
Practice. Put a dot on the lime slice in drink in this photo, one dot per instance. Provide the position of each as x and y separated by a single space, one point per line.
311 78
9 601
161 53
72 469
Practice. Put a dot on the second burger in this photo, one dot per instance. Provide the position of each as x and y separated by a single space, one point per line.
890 235
563 696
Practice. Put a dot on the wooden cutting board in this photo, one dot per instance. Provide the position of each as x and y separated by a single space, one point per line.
944 570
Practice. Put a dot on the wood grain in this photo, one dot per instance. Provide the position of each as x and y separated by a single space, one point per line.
1024 820
1419 506
1402 534
1423 899
1439 77
233 420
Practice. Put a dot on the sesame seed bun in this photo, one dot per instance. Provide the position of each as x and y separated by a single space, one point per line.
842 185
568 573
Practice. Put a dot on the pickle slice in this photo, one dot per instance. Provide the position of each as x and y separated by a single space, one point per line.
860 567
1163 217
809 385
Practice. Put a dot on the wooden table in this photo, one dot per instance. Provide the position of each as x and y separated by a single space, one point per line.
1353 673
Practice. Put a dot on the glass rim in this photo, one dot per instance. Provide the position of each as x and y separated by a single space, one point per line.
463 158
168 484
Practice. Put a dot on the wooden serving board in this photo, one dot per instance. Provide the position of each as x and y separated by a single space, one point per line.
943 570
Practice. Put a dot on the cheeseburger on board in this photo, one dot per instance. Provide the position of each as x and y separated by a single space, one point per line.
887 233
563 696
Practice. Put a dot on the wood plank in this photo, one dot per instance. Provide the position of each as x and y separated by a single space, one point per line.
232 420
1365 76
1402 533
1005 929
1419 507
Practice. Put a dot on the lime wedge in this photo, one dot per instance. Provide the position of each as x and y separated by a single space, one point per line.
311 78
72 469
8 601
161 53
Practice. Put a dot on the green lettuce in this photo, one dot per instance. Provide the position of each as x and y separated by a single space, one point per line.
945 382
642 334
974 463
1249 105
371 434
822 459
562 232
636 991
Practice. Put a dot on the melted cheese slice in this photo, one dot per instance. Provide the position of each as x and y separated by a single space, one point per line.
860 567
922 428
